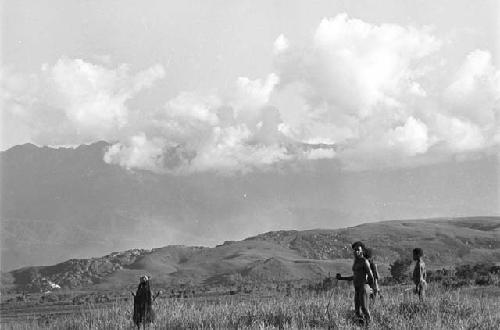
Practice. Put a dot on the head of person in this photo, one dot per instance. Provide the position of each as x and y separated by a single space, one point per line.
358 249
143 279
417 253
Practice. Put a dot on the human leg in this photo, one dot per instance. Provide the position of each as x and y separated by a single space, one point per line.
421 289
364 303
357 301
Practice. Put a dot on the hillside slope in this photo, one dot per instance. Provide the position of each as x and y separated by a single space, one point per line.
446 241
278 255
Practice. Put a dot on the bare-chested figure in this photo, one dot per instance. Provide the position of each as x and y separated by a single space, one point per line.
361 276
368 253
419 273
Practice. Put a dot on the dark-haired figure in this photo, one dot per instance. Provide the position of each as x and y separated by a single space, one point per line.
361 275
368 253
143 304
419 273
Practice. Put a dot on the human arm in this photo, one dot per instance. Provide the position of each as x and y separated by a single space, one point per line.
369 274
156 295
374 269
423 273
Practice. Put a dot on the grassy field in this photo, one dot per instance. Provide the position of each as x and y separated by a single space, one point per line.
464 308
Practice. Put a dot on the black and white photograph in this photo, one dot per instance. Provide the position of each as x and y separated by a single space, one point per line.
249 164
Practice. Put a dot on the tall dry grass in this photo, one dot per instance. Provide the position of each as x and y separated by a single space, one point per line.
399 309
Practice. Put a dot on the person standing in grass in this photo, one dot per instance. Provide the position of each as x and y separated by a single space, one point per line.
361 275
143 303
419 273
368 254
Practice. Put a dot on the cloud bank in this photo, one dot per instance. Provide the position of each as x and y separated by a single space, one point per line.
74 101
367 95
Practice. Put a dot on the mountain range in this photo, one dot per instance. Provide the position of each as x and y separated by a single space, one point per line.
67 203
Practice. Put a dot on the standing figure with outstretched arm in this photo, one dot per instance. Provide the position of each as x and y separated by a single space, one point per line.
361 276
419 273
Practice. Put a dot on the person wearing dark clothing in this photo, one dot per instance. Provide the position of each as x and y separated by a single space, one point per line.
361 275
143 304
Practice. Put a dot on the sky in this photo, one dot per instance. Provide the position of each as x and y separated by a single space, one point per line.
183 87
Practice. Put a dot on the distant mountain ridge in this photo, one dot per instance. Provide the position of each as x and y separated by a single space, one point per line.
63 203
282 255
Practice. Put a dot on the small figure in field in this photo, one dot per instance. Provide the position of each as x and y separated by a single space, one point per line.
419 273
143 303
361 275
368 253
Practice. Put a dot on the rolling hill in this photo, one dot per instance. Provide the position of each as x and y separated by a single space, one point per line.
276 255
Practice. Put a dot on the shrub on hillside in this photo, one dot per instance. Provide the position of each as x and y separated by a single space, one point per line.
466 274
440 275
490 279
480 273
399 270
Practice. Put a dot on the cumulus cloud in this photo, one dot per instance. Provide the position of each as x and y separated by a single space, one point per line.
237 132
254 93
412 137
467 116
280 44
475 90
357 92
74 101
354 66
459 135
364 87
138 152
